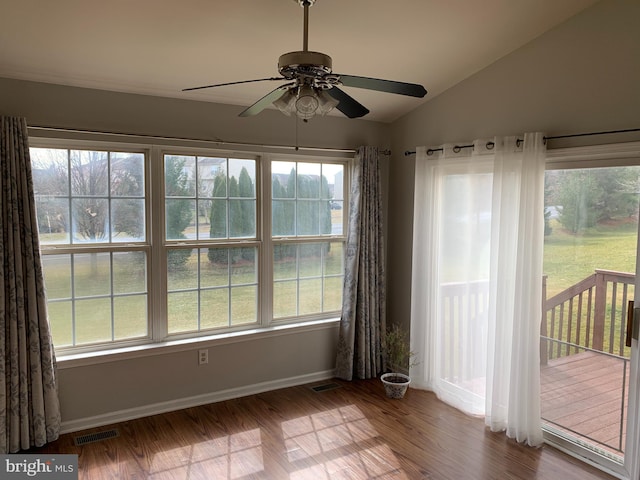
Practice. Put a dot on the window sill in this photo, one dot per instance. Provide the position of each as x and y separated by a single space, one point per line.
173 346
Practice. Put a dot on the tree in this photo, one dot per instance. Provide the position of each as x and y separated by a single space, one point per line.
89 178
218 218
241 221
127 180
179 213
588 197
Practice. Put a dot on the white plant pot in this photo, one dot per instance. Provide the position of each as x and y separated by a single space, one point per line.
395 388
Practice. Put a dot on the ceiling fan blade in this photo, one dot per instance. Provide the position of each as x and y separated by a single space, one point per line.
348 105
265 101
389 86
232 83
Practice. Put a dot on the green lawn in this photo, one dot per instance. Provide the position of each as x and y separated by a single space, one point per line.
225 297
570 258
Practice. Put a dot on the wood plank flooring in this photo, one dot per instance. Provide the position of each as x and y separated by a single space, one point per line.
349 432
583 393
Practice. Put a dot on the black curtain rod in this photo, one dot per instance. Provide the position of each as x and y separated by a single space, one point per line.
217 142
490 145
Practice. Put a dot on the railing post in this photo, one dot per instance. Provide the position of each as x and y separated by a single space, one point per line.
599 312
544 344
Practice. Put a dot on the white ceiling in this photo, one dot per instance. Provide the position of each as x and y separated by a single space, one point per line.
158 47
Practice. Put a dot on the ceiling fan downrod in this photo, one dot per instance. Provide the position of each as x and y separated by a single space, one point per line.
305 64
305 35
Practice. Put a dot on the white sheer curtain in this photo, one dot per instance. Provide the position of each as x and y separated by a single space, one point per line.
477 279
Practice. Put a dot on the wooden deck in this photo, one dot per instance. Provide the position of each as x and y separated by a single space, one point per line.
581 395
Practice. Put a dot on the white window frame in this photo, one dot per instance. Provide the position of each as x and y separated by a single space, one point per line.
156 247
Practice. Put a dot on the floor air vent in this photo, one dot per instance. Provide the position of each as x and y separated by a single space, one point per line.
324 387
95 437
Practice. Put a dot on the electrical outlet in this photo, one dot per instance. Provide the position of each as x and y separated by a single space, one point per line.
203 356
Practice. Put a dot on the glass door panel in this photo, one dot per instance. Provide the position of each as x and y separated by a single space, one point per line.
591 240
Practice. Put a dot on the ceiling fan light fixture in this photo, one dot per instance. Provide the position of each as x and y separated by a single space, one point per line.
287 102
327 102
307 102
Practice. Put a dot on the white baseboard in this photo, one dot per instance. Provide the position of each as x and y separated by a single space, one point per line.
188 402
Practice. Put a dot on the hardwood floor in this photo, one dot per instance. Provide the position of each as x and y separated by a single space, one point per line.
349 432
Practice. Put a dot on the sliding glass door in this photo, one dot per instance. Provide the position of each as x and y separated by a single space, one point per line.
588 367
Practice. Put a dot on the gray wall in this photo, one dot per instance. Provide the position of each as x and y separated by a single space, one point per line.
582 76
130 385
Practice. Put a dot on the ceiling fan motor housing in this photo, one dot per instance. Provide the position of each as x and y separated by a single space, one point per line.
306 65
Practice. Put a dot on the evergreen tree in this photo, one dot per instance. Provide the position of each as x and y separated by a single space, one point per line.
218 218
178 212
247 207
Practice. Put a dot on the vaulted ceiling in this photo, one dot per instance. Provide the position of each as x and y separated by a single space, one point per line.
159 47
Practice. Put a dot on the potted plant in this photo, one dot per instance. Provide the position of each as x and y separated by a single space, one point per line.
397 355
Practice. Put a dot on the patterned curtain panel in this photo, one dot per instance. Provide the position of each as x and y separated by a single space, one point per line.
364 296
29 407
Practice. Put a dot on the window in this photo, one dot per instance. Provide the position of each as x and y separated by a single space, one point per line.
210 203
308 268
91 212
143 245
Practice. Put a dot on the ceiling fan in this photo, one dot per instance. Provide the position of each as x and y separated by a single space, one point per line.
312 88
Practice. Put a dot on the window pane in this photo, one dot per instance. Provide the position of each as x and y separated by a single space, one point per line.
182 312
127 174
81 289
244 269
215 308
179 218
57 275
204 218
306 199
182 270
61 321
311 259
285 261
214 267
129 272
50 171
332 290
336 217
219 187
89 173
285 299
53 219
283 180
89 220
92 274
309 180
310 296
220 193
218 219
334 259
93 320
73 191
127 220
216 288
242 218
129 317
244 305
308 278
179 176
210 170
283 218
245 172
